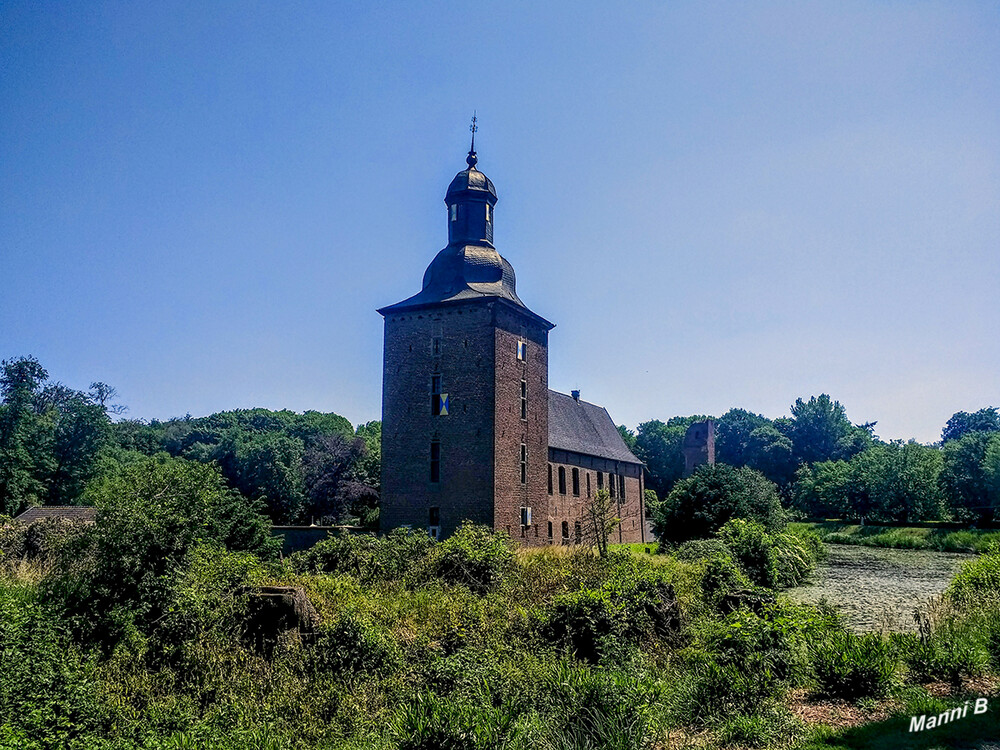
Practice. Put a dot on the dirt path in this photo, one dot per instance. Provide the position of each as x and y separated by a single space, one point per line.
876 587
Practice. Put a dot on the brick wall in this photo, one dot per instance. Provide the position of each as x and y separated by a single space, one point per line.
512 430
465 364
570 508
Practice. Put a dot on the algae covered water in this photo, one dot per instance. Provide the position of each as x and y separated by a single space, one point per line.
876 587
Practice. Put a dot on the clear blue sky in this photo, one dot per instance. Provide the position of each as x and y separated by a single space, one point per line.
719 205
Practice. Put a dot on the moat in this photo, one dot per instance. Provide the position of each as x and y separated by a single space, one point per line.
879 588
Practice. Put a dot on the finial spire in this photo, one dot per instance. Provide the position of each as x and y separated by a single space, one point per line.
471 159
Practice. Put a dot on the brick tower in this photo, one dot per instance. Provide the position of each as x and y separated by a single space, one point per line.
465 385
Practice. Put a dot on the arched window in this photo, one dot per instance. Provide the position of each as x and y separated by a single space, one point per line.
576 481
562 480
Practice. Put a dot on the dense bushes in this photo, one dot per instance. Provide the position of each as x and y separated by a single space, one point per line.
774 560
151 513
465 643
367 557
703 503
475 557
846 665
979 578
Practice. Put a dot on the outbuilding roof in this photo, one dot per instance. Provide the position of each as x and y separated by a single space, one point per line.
586 428
78 513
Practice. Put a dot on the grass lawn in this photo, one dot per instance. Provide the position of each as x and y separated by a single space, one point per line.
904 537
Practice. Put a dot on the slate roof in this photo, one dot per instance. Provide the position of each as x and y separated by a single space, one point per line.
464 272
78 513
471 179
585 428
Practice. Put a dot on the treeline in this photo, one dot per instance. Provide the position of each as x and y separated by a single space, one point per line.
315 467
55 442
825 466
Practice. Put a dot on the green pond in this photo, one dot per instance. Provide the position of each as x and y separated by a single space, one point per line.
878 588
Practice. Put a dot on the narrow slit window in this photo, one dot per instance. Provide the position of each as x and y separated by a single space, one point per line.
524 399
522 349
550 479
453 211
562 480
524 463
436 345
435 460
588 484
600 481
611 484
576 481
621 487
550 529
565 529
489 212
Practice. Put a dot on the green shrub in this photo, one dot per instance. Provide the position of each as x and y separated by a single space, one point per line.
585 621
585 708
367 557
428 722
48 696
474 556
768 725
700 505
712 690
701 549
40 540
846 665
352 648
979 578
952 650
774 560
722 576
151 513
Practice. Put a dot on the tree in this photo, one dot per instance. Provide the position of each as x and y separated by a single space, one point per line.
964 478
820 431
700 505
962 423
103 394
25 436
661 447
599 520
743 438
267 467
991 468
329 473
821 489
896 482
82 432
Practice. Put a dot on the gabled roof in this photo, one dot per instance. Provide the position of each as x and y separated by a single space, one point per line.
78 513
585 428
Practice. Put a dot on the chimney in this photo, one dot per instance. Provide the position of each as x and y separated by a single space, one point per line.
576 395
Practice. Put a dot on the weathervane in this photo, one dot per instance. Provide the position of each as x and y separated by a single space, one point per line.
471 158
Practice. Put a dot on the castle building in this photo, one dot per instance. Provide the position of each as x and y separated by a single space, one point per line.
470 429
